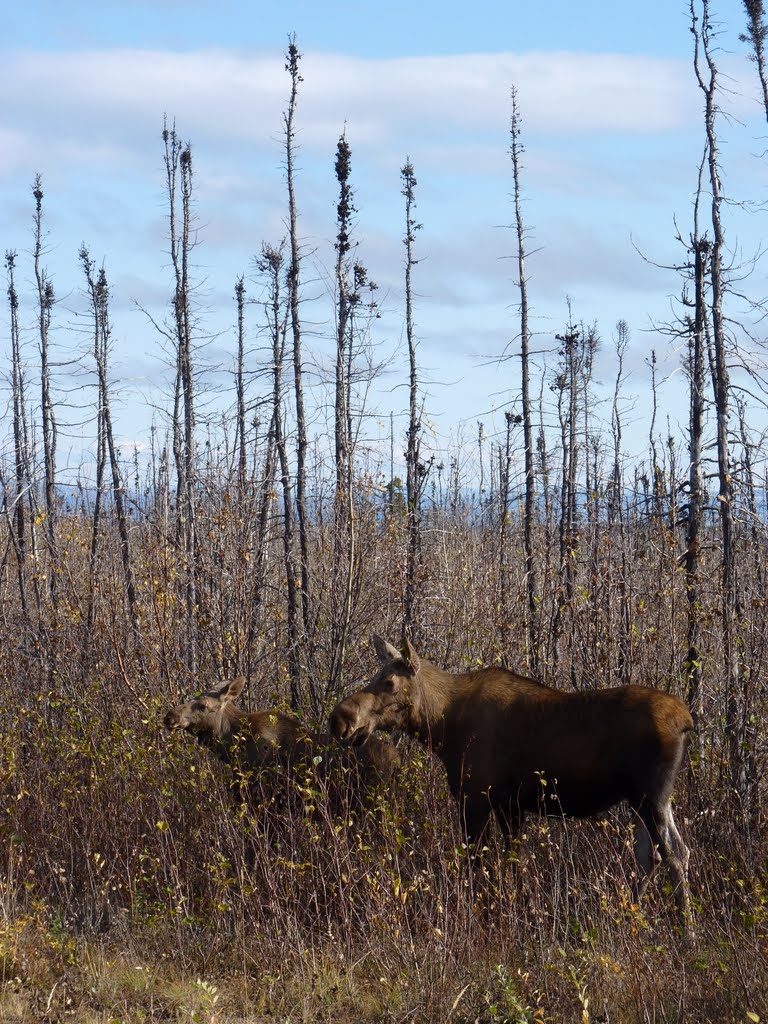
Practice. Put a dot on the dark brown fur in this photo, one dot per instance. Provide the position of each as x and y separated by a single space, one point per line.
511 745
252 741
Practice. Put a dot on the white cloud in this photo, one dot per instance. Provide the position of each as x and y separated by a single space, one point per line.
612 145
566 92
15 149
103 95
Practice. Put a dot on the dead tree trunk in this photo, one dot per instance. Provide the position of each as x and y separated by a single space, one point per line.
178 168
616 517
736 713
567 385
415 470
97 303
271 264
700 248
306 626
22 529
531 630
240 441
505 604
45 301
98 291
344 524
756 33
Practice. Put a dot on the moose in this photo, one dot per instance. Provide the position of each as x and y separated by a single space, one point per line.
512 745
251 741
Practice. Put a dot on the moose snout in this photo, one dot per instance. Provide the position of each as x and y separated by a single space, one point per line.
171 721
343 721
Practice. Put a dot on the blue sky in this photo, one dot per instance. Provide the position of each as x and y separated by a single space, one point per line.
399 28
613 137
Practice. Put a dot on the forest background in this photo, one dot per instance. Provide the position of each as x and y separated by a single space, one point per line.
290 496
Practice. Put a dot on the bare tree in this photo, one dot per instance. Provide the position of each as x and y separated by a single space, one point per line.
616 518
505 465
22 527
706 76
240 441
756 33
178 170
344 520
416 471
532 632
565 386
271 265
98 293
45 302
700 248
293 59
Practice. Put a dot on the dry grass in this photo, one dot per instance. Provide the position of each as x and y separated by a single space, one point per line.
132 892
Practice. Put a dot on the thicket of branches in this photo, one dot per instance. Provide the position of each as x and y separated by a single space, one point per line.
238 547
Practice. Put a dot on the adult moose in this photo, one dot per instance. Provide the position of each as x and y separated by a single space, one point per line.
251 741
512 745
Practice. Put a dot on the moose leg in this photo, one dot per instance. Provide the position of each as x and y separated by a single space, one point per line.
474 820
646 850
486 868
510 820
677 846
509 825
676 860
657 837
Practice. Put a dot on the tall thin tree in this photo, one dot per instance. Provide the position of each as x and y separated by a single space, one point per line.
179 187
23 529
240 441
416 475
700 247
45 303
344 521
293 59
271 266
755 35
98 293
706 73
532 633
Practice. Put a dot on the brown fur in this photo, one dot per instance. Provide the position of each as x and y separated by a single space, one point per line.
511 745
251 741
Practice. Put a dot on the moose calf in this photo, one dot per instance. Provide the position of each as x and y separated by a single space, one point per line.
251 741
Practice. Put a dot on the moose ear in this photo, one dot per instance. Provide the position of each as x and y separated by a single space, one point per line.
409 656
229 690
236 687
386 652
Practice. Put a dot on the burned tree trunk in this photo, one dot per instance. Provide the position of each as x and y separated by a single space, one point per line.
240 440
98 291
344 520
178 168
694 516
294 273
532 631
22 528
415 470
45 302
736 712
